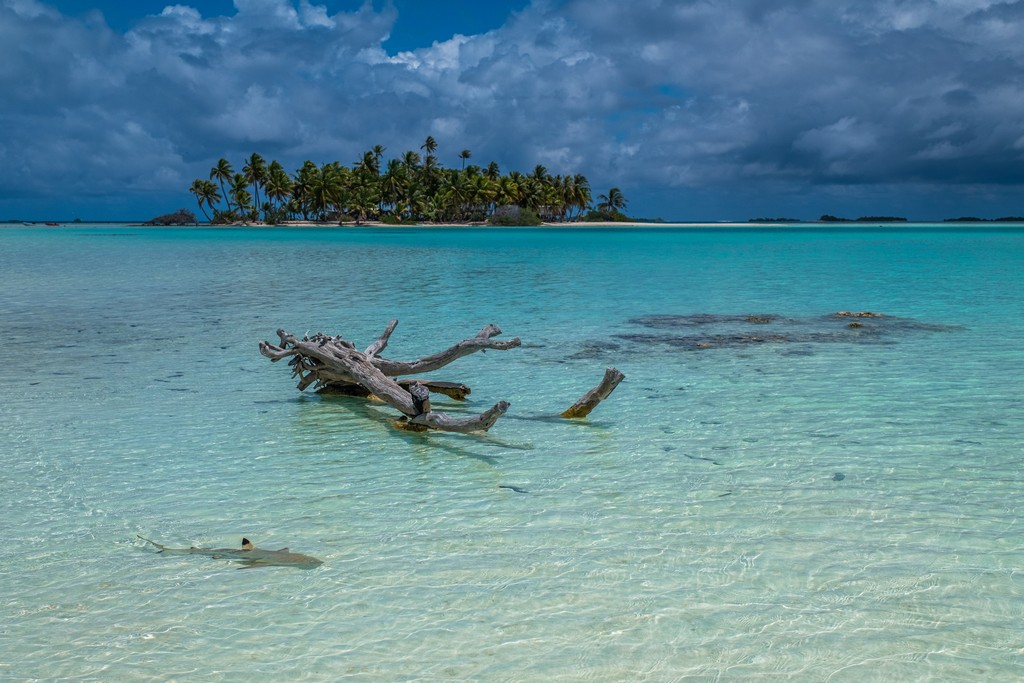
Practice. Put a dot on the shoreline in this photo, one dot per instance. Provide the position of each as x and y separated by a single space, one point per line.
581 224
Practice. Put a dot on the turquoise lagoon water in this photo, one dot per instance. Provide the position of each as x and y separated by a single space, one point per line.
781 496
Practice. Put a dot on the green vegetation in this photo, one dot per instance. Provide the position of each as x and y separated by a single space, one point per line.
610 208
179 217
595 216
514 215
406 190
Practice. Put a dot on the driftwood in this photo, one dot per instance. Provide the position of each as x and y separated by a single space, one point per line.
589 400
331 364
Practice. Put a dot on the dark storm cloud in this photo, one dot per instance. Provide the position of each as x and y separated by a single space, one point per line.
869 95
770 98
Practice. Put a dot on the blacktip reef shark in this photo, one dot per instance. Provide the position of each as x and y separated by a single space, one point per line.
249 555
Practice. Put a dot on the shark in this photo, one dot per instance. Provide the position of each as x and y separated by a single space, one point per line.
248 555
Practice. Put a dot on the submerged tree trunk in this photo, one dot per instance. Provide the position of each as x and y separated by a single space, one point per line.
331 364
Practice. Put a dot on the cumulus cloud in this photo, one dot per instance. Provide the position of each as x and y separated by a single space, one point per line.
694 107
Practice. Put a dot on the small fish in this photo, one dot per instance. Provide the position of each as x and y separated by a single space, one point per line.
248 555
697 457
512 488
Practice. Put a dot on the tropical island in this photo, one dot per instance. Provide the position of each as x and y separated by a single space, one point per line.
412 189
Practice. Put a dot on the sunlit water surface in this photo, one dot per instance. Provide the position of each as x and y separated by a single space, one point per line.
770 493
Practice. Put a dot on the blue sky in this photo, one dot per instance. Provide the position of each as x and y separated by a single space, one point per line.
696 109
421 21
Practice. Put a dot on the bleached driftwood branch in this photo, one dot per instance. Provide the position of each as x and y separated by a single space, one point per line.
589 400
333 364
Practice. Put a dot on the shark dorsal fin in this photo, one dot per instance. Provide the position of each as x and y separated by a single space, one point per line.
247 544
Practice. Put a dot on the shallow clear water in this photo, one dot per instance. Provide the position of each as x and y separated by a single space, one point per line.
783 497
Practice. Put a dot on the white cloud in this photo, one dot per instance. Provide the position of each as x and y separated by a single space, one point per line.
314 15
842 139
267 13
31 9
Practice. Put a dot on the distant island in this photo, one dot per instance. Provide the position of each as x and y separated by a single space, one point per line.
971 219
177 218
15 221
410 189
827 218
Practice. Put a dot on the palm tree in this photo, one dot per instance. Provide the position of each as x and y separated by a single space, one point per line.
302 187
240 193
465 154
554 197
507 192
530 193
279 184
222 172
612 202
370 163
255 171
429 174
206 194
454 194
581 193
411 160
364 196
482 193
430 145
378 154
325 189
416 200
393 182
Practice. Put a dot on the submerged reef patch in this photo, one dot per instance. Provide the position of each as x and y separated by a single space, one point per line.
700 331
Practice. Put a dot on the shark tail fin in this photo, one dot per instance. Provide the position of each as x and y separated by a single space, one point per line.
162 548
